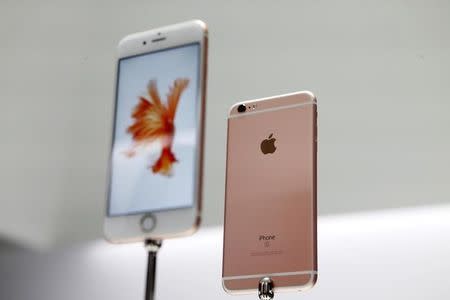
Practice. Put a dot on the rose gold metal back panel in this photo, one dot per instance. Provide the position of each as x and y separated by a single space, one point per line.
270 202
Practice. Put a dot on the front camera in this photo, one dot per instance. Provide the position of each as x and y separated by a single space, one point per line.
241 108
144 43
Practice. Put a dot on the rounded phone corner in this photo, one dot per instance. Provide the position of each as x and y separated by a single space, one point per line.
312 96
227 290
194 227
232 108
202 24
197 223
310 284
123 41
107 234
108 239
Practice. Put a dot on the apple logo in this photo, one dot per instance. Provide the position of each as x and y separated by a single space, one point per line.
268 145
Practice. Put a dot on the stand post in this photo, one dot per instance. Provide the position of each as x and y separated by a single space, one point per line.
265 289
152 248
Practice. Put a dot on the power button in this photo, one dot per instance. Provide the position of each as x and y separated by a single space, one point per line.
147 223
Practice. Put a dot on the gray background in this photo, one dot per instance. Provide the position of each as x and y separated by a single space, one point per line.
380 70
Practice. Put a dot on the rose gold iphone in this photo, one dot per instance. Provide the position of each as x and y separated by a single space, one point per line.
270 202
155 171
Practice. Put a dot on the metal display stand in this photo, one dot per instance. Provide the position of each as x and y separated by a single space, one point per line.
152 247
265 286
265 289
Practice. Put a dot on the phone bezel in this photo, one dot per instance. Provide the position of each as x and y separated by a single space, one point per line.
178 221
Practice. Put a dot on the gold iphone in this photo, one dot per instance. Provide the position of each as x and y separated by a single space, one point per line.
155 170
270 201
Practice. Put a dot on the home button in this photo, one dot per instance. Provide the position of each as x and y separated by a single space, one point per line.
147 223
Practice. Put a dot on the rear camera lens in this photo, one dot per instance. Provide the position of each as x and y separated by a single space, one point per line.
241 108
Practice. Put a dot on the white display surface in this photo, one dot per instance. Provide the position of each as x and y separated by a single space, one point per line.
397 254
